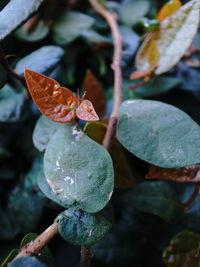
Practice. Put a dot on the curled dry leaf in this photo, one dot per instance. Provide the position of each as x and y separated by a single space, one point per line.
151 51
178 28
168 9
95 93
86 111
55 102
185 174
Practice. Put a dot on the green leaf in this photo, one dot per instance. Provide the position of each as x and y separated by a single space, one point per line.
157 198
46 190
70 26
94 37
9 20
128 14
81 228
75 173
24 209
173 38
11 104
43 131
44 255
157 86
159 133
38 33
183 250
10 257
27 262
42 60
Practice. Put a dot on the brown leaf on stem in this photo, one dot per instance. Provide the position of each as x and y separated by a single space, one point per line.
168 9
86 111
182 175
55 102
95 93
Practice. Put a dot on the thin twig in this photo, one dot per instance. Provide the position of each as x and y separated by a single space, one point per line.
35 246
139 84
194 195
117 99
86 256
7 68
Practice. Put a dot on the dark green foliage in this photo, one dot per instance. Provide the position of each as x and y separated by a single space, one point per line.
27 262
82 228
52 171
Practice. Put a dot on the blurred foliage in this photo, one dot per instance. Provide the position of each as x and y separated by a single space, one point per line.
64 39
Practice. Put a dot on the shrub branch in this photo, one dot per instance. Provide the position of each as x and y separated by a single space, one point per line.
34 247
117 99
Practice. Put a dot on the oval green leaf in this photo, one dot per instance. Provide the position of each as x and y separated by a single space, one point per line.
70 26
9 20
27 261
11 104
183 250
78 170
43 131
157 198
159 133
81 228
38 33
42 60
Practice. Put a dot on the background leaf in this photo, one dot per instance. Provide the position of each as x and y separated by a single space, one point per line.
27 261
183 250
42 60
11 104
22 12
157 198
39 32
71 26
127 11
94 93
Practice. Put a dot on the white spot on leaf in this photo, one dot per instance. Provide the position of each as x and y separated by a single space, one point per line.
69 180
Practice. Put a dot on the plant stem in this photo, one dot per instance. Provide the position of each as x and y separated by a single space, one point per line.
145 81
86 256
117 99
9 71
195 193
35 246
